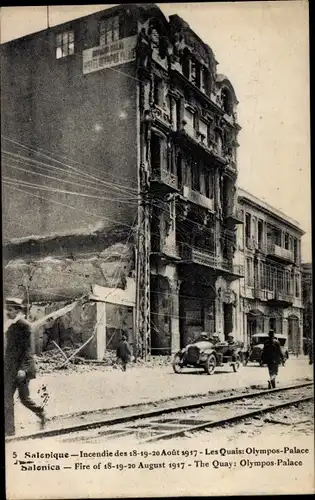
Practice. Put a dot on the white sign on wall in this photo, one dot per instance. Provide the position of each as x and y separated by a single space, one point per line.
107 56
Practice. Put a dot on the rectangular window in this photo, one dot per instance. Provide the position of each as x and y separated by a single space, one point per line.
157 91
208 183
295 250
189 117
156 153
64 44
286 241
203 130
297 285
195 73
247 226
109 30
195 176
260 228
249 274
278 238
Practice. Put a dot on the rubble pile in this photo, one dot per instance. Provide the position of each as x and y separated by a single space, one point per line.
52 360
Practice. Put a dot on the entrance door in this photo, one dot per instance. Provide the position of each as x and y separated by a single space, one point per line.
293 334
228 319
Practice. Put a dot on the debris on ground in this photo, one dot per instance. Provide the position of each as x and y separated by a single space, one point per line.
53 360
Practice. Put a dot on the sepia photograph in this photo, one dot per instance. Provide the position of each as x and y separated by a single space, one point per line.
157 257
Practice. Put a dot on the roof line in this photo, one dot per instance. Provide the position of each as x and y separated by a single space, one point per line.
242 193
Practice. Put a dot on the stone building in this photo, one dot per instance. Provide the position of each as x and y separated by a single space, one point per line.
119 173
269 296
307 294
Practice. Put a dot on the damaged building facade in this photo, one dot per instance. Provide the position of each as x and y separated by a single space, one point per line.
269 296
119 179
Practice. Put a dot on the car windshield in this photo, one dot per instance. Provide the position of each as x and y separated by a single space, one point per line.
261 339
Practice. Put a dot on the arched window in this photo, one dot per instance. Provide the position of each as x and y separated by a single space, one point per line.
226 99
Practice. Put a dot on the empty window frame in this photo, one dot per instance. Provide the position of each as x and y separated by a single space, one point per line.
208 177
249 272
109 30
64 44
157 91
195 176
260 230
278 237
203 130
248 226
189 117
156 153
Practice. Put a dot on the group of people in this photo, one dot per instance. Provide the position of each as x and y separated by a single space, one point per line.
20 366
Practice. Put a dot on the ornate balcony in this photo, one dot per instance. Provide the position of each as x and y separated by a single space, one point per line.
280 299
166 180
198 198
193 255
279 253
234 215
168 251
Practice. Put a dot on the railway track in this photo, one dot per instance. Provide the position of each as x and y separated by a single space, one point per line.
182 419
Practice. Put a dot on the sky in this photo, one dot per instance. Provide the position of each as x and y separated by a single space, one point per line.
263 48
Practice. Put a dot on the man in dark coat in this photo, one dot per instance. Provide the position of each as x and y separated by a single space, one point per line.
123 352
19 365
272 356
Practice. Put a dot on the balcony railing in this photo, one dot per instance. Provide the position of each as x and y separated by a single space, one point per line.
233 268
279 296
280 252
198 198
165 177
235 214
197 256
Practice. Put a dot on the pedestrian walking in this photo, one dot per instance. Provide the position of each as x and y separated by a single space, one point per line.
123 352
19 365
272 356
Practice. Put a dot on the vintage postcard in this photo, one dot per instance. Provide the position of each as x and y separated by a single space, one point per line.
158 336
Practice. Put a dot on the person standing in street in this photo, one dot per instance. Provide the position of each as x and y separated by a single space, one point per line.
272 356
123 352
19 365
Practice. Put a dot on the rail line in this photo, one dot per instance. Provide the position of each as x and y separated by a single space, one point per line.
179 419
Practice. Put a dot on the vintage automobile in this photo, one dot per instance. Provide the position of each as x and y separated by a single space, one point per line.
257 345
207 353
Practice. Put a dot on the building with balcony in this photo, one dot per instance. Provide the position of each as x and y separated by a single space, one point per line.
119 172
307 294
269 294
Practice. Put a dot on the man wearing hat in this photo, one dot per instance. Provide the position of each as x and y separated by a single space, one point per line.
19 364
123 352
272 356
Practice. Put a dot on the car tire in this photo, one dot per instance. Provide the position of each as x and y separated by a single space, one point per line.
236 365
210 365
177 367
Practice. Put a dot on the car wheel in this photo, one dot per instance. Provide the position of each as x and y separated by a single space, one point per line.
236 365
211 363
177 366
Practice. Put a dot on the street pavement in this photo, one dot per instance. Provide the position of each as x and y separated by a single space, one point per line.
94 389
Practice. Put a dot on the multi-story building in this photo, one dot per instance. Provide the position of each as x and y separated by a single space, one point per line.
269 295
119 172
307 294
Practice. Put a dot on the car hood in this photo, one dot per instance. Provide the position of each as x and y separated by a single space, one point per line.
202 344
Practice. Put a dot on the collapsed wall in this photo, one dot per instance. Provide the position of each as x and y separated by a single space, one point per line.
49 273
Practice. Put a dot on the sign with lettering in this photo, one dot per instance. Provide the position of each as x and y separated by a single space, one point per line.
107 56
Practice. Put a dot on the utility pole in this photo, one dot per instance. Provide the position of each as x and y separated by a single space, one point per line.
47 15
143 330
